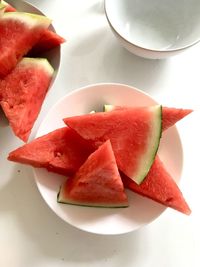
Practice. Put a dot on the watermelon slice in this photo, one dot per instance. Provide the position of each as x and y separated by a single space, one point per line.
169 115
165 190
134 135
49 40
22 93
19 32
160 187
8 8
61 151
54 141
97 182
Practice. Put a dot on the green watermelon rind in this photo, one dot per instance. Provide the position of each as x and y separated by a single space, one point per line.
66 200
42 62
31 20
138 180
157 122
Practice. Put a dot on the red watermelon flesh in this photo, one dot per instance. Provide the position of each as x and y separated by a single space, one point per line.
134 135
49 40
28 153
160 187
169 115
19 32
61 151
22 93
97 182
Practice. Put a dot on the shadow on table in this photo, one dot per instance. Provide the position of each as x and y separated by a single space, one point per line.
54 238
96 56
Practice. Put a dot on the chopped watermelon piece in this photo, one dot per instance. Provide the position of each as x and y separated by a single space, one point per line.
97 182
19 32
22 93
134 135
160 187
49 40
61 151
173 115
9 8
169 115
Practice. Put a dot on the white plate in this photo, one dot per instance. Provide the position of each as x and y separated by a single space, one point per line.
103 220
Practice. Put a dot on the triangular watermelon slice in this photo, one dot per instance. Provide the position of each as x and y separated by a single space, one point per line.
22 93
169 115
61 151
97 182
19 32
32 154
49 40
134 135
160 187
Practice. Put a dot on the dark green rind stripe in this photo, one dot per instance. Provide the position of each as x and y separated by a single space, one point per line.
157 147
67 201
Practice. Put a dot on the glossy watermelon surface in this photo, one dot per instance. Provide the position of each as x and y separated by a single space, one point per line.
97 182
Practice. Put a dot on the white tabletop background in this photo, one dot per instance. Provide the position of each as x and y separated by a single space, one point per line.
31 235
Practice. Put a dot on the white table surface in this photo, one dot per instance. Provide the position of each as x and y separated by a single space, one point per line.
30 233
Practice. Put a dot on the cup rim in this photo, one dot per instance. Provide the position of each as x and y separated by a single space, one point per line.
142 47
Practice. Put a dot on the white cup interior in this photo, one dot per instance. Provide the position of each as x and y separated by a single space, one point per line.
156 24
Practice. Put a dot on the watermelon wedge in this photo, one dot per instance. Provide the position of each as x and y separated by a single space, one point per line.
160 187
61 151
49 40
97 182
169 115
19 32
32 154
134 135
22 93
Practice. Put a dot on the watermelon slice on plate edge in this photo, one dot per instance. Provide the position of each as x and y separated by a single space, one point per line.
134 135
18 160
97 182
